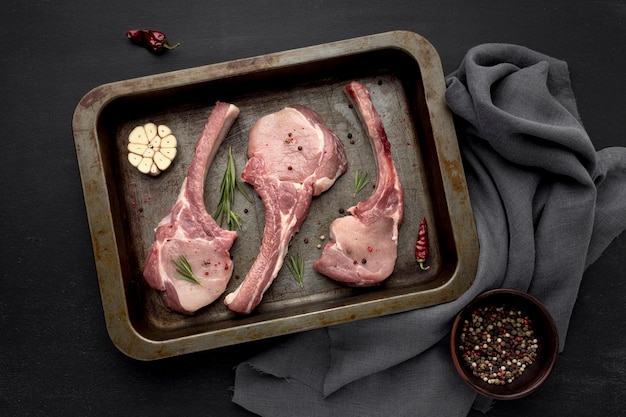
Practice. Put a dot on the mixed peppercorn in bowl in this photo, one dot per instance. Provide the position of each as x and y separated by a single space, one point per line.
504 344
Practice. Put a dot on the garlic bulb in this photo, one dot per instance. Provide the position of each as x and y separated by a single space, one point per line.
151 148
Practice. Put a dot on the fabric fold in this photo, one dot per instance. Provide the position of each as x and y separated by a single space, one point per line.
546 205
610 219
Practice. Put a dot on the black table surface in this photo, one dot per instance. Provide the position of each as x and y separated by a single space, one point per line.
55 355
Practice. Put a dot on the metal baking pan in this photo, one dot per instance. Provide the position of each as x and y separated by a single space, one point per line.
403 73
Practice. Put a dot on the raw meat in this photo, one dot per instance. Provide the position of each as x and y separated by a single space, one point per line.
293 156
188 230
362 250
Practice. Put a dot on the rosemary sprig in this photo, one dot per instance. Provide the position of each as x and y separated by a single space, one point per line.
295 264
361 179
229 184
184 270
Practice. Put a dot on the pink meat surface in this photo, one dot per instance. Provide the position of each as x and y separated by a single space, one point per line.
363 247
188 230
293 156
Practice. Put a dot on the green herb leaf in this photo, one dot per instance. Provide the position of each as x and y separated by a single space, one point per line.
361 179
230 183
183 268
295 264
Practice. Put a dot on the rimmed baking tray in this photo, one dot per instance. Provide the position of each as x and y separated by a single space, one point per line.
403 73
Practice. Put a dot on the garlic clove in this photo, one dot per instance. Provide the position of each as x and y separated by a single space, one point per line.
134 159
148 153
137 148
151 130
144 165
169 153
163 131
155 142
154 170
169 142
161 161
138 135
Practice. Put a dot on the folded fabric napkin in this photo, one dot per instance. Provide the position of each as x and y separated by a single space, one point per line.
546 205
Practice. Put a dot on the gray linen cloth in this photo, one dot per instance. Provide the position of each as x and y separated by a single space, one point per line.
546 205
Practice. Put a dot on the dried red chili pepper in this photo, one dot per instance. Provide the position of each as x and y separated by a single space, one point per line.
153 40
421 247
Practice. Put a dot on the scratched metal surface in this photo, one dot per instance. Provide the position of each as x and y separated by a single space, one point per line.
423 148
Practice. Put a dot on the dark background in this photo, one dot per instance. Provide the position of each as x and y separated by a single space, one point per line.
55 355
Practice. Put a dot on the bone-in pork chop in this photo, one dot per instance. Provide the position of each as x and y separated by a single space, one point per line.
293 156
362 250
188 231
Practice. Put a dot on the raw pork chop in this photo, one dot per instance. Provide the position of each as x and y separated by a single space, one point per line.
362 250
188 230
293 156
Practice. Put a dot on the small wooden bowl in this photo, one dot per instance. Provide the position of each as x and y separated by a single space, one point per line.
544 330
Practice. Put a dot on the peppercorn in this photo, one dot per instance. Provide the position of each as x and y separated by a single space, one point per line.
490 348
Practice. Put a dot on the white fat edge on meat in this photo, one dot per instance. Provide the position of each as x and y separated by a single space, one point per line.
279 264
324 183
